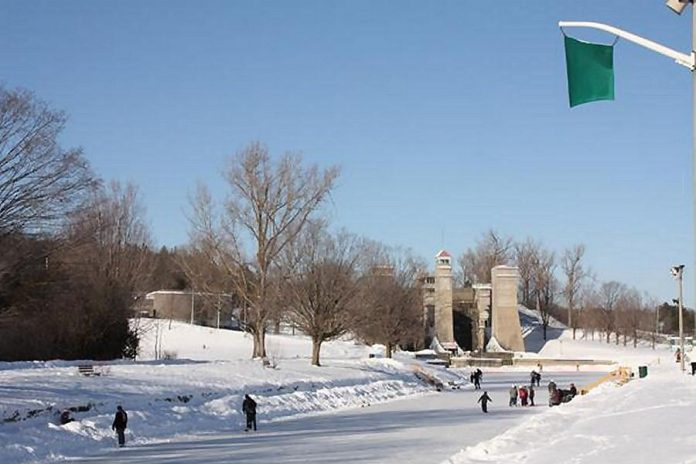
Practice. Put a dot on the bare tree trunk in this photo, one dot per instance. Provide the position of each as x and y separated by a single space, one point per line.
624 339
389 348
259 343
608 337
635 338
316 347
616 337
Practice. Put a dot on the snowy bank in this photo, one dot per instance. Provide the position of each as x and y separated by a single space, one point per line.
171 398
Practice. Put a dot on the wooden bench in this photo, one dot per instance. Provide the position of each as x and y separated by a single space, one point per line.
87 370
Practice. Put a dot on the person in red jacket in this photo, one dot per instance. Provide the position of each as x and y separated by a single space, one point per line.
523 395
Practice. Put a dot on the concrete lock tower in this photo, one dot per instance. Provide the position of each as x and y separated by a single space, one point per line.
505 319
444 325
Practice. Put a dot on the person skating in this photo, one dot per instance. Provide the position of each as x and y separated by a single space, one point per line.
119 425
523 393
484 399
538 379
477 379
249 408
531 395
513 396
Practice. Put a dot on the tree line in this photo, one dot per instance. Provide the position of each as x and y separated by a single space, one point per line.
563 286
76 256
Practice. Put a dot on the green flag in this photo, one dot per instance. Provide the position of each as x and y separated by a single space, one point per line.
590 71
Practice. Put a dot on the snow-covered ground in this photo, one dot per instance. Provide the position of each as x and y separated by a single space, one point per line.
413 430
187 409
201 391
647 420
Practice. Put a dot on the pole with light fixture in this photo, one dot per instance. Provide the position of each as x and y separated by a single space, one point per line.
687 60
678 273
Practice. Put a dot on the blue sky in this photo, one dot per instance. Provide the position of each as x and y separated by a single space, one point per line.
447 118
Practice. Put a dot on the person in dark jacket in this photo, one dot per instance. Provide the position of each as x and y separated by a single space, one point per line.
119 425
573 390
484 399
65 417
531 395
477 379
249 408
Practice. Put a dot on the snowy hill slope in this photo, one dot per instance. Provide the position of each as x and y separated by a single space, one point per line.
533 329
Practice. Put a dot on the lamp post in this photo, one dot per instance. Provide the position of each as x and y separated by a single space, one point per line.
678 273
684 59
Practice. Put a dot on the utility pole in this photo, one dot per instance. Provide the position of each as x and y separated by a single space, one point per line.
687 60
678 273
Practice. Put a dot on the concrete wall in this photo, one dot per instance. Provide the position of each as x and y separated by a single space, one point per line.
505 320
483 305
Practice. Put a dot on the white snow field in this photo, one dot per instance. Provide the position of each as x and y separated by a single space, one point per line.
352 409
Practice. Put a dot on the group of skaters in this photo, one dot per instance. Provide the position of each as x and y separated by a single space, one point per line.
524 395
558 396
687 360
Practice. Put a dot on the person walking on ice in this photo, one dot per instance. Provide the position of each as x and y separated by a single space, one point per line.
119 425
484 399
249 409
513 396
477 379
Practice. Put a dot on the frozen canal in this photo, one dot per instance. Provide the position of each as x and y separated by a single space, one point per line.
421 430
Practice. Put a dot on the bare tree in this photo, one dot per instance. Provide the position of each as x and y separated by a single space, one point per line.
109 236
39 181
322 286
571 263
77 300
610 293
525 254
208 278
545 284
492 250
392 309
268 205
